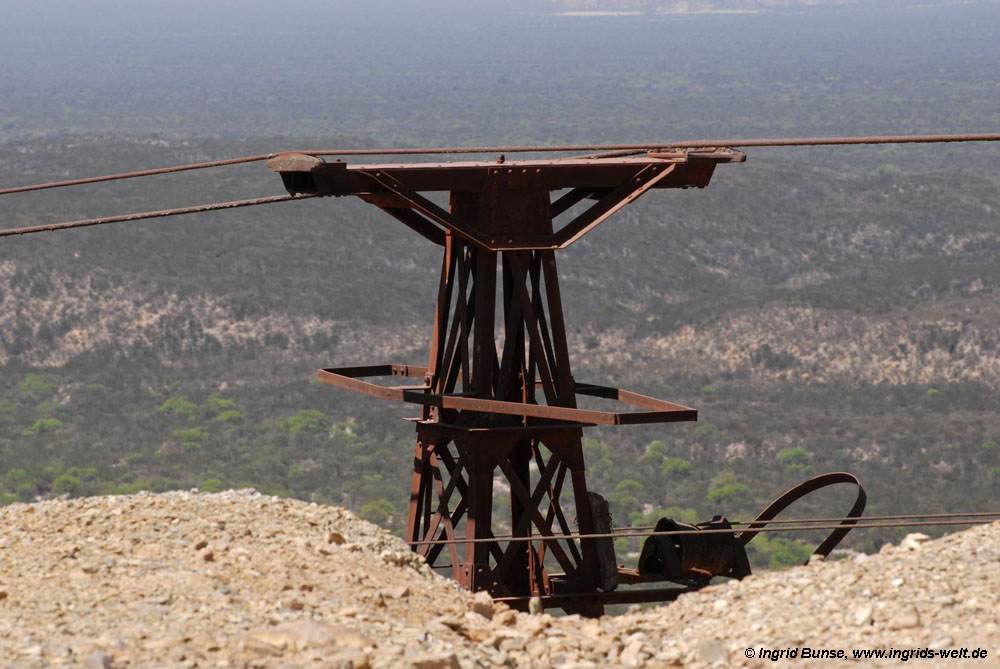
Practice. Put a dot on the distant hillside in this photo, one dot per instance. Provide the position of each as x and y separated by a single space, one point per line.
819 319
768 267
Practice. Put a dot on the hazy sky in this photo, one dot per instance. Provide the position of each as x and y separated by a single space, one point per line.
482 71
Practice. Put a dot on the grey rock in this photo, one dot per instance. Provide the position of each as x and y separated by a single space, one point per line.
482 604
941 643
280 593
630 655
905 619
914 541
443 661
861 615
98 660
711 651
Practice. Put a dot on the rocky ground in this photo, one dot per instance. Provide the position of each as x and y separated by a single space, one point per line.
239 579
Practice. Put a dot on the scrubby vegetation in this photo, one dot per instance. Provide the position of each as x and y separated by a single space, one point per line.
824 310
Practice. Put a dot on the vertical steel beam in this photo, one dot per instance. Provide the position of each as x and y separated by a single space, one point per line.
465 338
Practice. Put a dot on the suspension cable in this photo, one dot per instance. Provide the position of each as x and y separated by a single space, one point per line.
124 218
909 516
985 516
854 524
691 144
133 175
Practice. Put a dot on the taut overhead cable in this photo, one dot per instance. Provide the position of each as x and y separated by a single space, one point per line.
691 144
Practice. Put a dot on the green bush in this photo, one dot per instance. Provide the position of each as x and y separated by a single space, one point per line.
178 405
41 426
126 486
191 438
601 470
307 420
24 485
655 451
795 457
36 386
216 404
783 552
629 487
211 482
190 434
626 499
67 483
728 494
379 511
676 468
16 476
230 416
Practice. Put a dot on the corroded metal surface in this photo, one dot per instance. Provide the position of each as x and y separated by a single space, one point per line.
498 399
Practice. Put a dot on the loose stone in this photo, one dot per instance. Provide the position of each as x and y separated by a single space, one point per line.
124 582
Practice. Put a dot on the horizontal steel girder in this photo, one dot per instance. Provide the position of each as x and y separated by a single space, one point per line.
653 410
514 198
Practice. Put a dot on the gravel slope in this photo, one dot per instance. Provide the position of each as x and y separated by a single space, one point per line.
239 579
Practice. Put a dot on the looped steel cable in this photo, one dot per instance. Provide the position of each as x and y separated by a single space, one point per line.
798 492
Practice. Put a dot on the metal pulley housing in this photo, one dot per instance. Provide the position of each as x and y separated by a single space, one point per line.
695 556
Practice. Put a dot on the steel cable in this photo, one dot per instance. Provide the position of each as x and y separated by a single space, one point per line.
987 516
124 218
615 535
695 144
133 175
908 516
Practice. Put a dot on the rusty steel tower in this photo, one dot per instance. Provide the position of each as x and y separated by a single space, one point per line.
499 400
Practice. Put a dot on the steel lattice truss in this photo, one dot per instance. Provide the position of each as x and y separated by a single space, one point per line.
493 408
